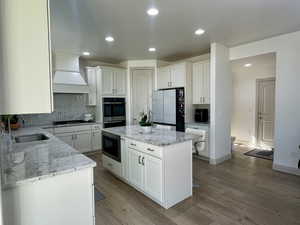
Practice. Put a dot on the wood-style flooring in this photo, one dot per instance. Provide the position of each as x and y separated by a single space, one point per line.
242 191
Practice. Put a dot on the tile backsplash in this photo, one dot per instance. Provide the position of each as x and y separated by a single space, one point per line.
66 107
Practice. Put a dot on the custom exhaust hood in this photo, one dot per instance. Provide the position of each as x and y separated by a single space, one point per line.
67 77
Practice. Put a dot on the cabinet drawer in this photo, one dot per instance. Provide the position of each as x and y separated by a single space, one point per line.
71 129
112 165
145 148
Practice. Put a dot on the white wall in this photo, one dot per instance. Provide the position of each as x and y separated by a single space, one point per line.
287 109
243 122
221 98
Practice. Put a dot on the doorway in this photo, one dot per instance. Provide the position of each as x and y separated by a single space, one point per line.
141 95
253 112
265 105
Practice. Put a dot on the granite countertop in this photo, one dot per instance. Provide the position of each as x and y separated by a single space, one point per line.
28 162
158 137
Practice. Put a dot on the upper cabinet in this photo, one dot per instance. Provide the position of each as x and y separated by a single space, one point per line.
113 81
201 82
25 67
92 74
172 76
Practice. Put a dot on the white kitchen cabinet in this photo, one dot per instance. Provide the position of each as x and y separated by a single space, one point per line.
136 170
178 75
92 75
26 68
201 82
96 140
172 76
107 81
67 138
84 138
153 176
145 173
125 159
82 141
164 76
113 81
120 82
154 171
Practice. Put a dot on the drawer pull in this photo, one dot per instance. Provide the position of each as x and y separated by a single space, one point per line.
132 144
143 162
150 149
139 159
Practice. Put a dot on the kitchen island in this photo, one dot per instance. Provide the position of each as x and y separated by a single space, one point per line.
45 181
158 164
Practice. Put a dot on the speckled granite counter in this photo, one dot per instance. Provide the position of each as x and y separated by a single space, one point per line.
28 162
158 137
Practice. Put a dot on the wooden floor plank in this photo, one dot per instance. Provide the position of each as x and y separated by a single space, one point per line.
243 190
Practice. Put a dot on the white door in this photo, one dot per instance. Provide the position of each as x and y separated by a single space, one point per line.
158 106
96 141
266 111
170 106
178 74
82 141
120 82
153 176
164 78
136 170
67 138
107 81
141 92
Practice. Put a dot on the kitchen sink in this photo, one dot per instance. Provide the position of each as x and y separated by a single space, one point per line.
31 138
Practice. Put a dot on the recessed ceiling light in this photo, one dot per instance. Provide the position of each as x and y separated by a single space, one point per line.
152 49
152 12
199 31
248 65
109 39
86 53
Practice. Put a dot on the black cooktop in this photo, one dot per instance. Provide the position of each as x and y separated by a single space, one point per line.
70 122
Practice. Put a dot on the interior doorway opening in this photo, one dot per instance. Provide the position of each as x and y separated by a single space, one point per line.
253 113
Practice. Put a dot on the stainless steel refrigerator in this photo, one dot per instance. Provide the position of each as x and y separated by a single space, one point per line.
168 107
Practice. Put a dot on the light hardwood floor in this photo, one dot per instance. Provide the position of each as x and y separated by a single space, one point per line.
241 191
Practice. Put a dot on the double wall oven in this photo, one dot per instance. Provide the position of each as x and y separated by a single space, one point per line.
114 112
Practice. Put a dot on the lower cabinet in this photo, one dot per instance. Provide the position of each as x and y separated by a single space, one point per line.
82 141
82 138
162 173
145 172
96 140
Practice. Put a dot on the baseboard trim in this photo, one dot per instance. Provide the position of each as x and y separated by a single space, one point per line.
220 160
286 169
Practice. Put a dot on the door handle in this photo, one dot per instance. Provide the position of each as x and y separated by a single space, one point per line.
143 163
139 159
150 149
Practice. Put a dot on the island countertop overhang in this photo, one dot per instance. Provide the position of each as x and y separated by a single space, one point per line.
158 137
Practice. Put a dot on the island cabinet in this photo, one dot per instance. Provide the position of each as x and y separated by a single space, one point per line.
163 173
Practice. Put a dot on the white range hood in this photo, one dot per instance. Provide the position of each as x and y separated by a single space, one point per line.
67 77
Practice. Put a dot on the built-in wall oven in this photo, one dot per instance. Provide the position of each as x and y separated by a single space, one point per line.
111 145
114 112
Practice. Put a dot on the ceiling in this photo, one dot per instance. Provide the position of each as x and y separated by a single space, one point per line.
257 63
81 25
